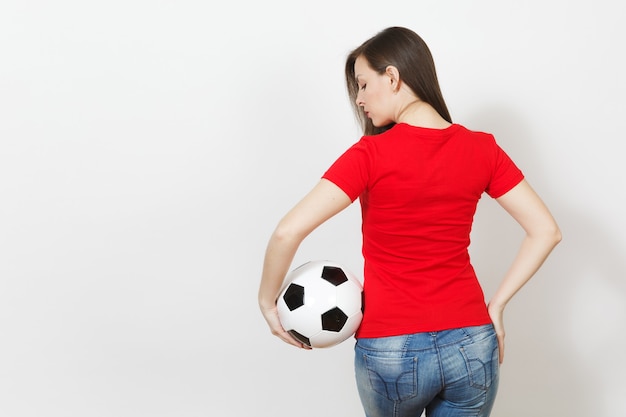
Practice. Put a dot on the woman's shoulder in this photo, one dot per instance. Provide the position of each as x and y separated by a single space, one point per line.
477 135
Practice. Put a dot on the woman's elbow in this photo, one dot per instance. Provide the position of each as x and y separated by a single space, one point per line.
553 234
286 233
548 233
558 236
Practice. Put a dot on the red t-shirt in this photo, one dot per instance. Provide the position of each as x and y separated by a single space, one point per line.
418 189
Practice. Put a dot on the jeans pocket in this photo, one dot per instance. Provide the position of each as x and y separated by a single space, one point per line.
481 359
394 378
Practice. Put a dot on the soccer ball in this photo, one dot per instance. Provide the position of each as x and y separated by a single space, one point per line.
321 304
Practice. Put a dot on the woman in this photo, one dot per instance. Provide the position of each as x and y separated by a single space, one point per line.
427 339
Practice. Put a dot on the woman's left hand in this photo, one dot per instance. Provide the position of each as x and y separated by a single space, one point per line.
497 318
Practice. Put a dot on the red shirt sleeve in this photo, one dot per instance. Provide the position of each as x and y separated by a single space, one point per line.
350 171
505 175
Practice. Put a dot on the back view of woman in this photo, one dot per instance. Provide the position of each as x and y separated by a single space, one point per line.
427 340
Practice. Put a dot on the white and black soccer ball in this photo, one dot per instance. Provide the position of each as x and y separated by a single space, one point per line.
321 303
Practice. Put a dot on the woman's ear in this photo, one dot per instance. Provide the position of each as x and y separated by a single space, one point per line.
394 77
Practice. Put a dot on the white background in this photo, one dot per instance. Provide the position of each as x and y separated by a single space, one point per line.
148 148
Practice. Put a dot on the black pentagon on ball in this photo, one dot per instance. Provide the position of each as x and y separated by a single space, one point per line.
362 302
334 275
294 296
334 320
300 337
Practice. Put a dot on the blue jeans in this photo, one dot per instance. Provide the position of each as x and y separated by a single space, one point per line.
449 373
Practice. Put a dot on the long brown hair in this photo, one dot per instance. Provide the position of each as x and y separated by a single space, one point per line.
407 51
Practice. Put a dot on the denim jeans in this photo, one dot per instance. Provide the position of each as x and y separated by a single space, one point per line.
448 373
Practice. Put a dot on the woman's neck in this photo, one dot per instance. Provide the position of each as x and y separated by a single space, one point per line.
421 114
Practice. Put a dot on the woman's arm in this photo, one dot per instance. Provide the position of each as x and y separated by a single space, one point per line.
542 235
323 201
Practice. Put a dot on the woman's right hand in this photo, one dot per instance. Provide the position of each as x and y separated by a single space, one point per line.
272 319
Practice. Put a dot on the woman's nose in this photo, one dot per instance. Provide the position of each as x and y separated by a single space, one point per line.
359 100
